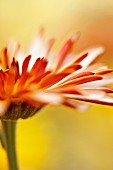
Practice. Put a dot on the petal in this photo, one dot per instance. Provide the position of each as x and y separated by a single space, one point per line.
104 89
105 71
99 83
4 59
86 60
65 49
37 44
39 48
96 67
45 97
82 80
25 64
52 79
81 58
106 100
92 55
76 105
49 46
13 50
71 68
36 79
83 74
69 90
39 66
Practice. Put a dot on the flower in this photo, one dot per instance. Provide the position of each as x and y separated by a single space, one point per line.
30 80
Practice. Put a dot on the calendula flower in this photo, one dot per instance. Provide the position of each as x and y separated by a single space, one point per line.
30 80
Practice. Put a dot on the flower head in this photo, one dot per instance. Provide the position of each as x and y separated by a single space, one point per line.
30 80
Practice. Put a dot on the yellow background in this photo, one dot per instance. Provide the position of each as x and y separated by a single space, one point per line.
59 138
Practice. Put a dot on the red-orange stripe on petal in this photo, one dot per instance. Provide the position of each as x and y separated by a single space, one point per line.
2 76
83 74
36 65
64 51
25 64
79 59
69 104
104 89
102 72
83 80
15 68
75 104
39 66
80 75
9 77
21 81
72 68
70 90
36 79
2 81
4 59
52 79
107 100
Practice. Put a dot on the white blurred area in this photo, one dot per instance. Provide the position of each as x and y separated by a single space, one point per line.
60 138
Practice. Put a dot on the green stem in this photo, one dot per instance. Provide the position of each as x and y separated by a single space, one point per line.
8 141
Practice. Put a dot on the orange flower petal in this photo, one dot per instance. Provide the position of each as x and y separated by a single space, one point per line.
65 50
82 80
25 64
39 66
52 79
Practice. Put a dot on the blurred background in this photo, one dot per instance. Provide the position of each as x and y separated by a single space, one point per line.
59 138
